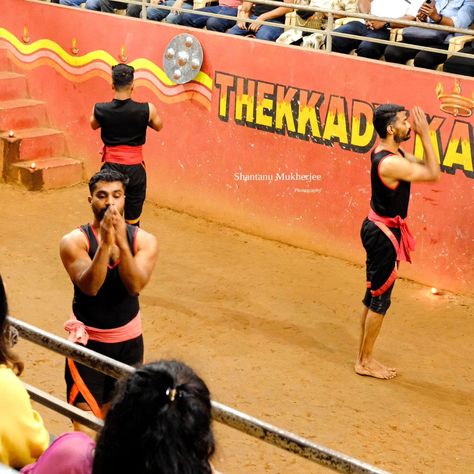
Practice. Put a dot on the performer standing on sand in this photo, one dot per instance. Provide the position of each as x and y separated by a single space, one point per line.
123 123
109 263
385 235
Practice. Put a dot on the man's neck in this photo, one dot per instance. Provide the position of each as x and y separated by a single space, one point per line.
122 95
390 145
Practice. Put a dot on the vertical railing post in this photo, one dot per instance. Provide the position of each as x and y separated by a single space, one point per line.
329 29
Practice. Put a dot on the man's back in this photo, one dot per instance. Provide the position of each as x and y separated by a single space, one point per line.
122 122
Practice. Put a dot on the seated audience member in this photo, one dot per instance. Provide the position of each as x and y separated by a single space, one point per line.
225 7
261 12
396 9
458 65
454 13
23 436
90 4
158 14
109 6
159 422
318 21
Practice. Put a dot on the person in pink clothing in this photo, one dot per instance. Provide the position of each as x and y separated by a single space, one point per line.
70 453
159 422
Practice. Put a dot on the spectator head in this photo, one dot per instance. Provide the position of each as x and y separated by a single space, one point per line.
122 76
108 176
159 422
6 356
387 115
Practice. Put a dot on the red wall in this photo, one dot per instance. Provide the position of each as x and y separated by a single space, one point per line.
192 163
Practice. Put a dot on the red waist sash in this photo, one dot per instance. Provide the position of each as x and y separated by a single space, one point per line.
407 241
123 154
79 332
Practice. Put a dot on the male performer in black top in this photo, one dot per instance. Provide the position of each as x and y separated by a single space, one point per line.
384 233
123 123
109 263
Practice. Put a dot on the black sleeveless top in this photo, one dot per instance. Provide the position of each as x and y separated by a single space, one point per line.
122 122
385 201
113 306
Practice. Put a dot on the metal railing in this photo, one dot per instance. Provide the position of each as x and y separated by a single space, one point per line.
221 413
329 32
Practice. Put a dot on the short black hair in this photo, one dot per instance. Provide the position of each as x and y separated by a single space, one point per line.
384 115
159 422
109 176
122 75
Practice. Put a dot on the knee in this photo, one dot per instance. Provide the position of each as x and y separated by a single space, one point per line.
393 54
215 24
134 11
380 304
267 35
425 61
369 50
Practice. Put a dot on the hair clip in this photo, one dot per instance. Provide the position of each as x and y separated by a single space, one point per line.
171 393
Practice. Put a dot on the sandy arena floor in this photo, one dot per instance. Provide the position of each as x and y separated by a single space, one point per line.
273 330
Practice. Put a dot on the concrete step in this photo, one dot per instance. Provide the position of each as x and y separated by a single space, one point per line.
33 143
46 173
12 85
22 113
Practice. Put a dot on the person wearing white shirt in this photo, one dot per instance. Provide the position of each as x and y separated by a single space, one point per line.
396 9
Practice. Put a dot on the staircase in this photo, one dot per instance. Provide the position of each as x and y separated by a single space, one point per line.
31 153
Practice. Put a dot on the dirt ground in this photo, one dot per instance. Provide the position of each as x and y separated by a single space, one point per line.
273 330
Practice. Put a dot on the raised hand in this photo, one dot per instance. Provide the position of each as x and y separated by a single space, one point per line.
107 231
420 124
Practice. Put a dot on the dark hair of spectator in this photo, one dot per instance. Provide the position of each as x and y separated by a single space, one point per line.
109 176
122 75
159 422
384 115
6 356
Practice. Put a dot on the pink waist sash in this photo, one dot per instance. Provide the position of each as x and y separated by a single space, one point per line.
123 154
407 241
79 332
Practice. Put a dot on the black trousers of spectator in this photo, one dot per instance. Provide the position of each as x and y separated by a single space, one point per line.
458 65
109 6
395 54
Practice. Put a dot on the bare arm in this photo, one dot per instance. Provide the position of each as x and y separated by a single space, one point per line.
154 120
135 270
89 275
270 15
364 6
93 121
394 169
394 24
429 10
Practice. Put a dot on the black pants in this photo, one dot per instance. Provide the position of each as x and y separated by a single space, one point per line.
396 54
109 6
458 65
136 189
102 386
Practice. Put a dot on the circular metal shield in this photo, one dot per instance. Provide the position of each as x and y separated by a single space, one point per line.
183 58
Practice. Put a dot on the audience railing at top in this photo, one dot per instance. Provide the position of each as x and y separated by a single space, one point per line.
329 31
221 413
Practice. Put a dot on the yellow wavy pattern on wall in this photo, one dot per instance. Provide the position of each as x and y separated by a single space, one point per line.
72 60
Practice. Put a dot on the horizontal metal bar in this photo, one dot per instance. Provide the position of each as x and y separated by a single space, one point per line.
81 354
291 442
221 413
76 414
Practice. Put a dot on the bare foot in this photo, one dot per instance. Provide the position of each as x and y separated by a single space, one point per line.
377 363
374 369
